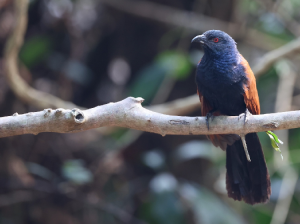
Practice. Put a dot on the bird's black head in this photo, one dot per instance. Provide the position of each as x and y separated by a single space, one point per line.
216 42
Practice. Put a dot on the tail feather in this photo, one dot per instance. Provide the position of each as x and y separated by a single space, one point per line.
248 181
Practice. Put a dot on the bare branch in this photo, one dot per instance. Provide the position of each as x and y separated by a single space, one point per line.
129 113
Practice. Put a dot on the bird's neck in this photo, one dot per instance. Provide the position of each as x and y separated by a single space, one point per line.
227 58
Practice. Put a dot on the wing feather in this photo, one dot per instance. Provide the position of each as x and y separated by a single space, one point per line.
250 91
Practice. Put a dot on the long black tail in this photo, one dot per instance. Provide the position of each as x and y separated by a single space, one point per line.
248 181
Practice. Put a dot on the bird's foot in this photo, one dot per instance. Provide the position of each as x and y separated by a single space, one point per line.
209 115
246 115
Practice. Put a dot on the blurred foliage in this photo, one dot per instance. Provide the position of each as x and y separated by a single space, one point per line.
34 50
163 207
203 202
168 63
92 54
75 172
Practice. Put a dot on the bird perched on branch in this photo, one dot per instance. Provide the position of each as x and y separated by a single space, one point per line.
226 86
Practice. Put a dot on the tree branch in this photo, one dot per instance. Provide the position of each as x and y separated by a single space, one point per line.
265 62
129 113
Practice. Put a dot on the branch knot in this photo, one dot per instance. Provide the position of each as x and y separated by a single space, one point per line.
78 116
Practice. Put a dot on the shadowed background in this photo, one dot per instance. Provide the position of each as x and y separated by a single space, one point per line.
94 52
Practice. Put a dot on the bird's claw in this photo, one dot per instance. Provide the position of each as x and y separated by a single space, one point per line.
246 115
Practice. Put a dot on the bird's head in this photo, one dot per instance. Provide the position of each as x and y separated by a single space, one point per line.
216 42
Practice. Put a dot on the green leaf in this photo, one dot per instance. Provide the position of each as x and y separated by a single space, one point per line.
175 63
34 50
275 137
275 141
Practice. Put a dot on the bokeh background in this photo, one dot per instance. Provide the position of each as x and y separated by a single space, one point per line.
92 52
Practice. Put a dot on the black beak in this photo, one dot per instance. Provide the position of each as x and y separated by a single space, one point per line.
199 39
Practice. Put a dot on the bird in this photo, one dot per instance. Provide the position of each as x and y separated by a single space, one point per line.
226 85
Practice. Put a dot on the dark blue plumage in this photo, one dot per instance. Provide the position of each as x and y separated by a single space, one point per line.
226 86
220 77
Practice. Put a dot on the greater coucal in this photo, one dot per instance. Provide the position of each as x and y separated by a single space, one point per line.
226 86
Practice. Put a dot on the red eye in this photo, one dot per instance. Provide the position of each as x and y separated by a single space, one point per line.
216 40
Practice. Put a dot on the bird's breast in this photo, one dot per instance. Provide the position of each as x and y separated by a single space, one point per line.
222 86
